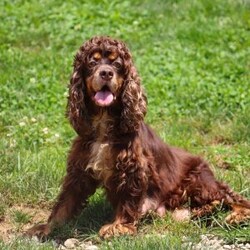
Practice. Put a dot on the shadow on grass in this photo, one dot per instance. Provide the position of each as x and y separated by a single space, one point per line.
99 212
86 226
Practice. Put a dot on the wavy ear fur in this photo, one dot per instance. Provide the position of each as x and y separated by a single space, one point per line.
76 110
134 102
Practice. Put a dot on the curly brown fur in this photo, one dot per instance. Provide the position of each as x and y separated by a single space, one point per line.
116 150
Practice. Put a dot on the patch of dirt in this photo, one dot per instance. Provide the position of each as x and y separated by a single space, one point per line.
222 140
222 163
9 228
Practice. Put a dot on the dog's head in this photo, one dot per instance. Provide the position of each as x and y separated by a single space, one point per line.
104 76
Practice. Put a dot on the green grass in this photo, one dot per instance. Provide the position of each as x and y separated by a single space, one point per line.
193 58
20 217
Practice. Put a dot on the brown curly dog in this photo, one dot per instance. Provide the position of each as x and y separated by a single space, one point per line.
116 150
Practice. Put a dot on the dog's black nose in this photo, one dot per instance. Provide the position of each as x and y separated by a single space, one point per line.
106 74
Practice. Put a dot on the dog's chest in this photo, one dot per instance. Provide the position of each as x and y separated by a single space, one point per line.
101 161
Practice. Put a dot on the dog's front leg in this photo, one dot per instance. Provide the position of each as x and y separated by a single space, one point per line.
127 213
76 188
126 191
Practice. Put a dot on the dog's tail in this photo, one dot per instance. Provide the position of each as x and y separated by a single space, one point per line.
232 198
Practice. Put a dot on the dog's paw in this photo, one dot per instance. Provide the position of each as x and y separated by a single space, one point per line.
114 229
181 215
239 214
41 231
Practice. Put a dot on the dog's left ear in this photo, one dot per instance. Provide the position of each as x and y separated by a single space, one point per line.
134 101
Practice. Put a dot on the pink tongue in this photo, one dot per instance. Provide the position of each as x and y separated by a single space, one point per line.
104 98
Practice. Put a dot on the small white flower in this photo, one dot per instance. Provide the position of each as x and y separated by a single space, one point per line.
22 124
65 94
45 130
57 135
77 27
8 135
32 80
13 143
33 119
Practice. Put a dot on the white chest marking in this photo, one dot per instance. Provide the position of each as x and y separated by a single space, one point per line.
101 161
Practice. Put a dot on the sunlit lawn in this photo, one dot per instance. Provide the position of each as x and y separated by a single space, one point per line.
193 58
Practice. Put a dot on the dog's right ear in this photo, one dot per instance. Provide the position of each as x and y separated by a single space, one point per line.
76 107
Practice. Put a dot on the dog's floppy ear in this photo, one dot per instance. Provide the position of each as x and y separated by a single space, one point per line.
133 98
76 107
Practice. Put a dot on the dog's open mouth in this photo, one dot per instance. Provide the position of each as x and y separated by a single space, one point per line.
104 97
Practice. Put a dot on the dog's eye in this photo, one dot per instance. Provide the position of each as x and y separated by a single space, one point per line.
117 65
92 64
